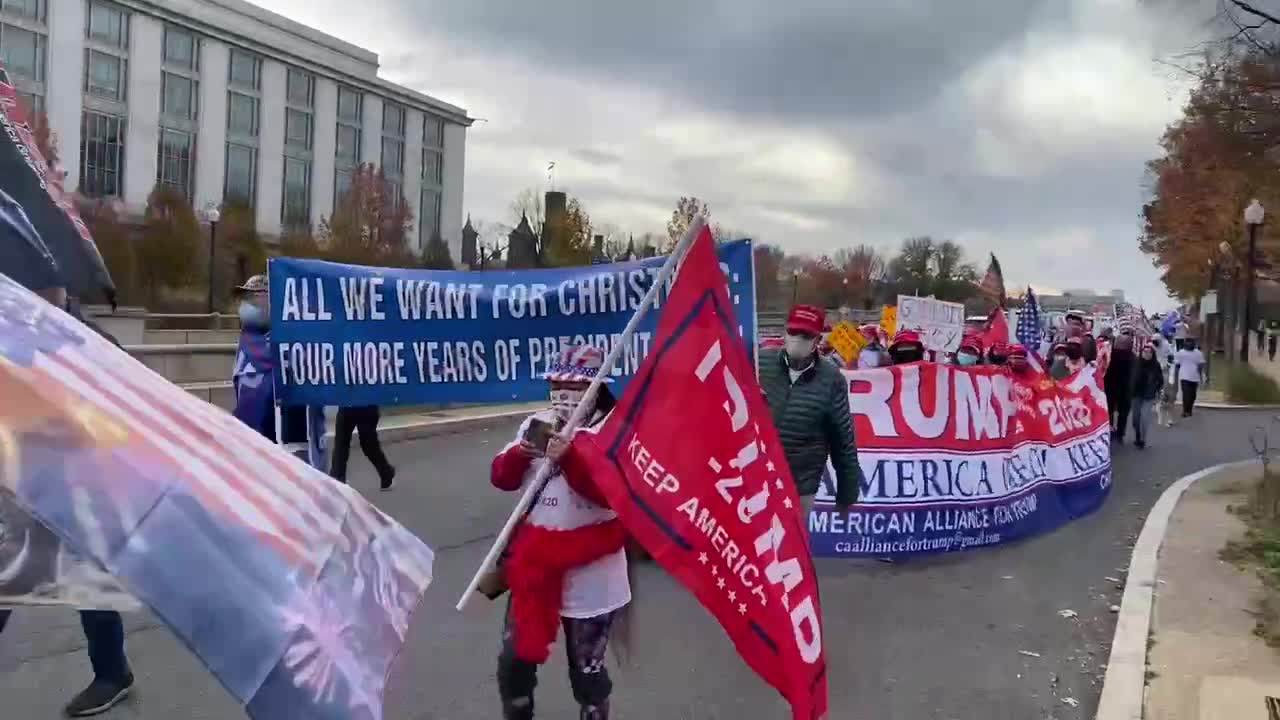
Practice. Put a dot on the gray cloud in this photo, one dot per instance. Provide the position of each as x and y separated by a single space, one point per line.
1019 126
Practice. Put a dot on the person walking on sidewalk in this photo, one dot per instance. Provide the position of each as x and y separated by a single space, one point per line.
364 420
1190 364
809 402
1148 386
1118 385
1273 334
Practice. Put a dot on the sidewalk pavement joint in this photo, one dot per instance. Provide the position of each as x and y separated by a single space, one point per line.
1124 687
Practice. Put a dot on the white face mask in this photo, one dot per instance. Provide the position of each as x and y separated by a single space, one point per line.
799 347
564 401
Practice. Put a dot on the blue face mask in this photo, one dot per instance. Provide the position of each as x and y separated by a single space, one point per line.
252 316
967 359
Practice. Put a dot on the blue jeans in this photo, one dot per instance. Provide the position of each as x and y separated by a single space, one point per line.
104 631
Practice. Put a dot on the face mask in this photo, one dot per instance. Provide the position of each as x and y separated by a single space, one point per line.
967 359
902 357
1074 353
799 347
564 401
1059 361
252 316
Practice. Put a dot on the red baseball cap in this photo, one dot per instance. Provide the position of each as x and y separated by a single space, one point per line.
1017 349
906 336
806 319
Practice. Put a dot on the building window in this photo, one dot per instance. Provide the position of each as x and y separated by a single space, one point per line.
350 106
246 70
341 184
348 153
179 97
108 24
392 158
242 174
297 129
180 49
34 102
101 154
429 216
29 9
299 88
392 120
433 132
295 213
22 52
104 75
242 114
244 102
174 160
350 122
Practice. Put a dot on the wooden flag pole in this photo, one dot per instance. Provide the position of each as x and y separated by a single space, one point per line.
587 402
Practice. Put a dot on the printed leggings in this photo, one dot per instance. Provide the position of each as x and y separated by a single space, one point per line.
585 642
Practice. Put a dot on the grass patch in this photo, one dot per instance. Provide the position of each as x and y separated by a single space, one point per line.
1246 385
1260 549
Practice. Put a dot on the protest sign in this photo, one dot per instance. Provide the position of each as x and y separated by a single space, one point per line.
847 341
207 523
940 323
354 335
721 515
957 458
889 321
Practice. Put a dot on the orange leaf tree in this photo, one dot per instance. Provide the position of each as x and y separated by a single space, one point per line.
1216 158
370 223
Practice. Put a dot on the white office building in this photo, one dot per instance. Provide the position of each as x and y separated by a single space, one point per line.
224 100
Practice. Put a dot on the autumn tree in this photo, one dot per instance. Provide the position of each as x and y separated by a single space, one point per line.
768 265
568 236
682 217
370 224
240 252
927 267
168 253
300 244
862 270
115 245
435 256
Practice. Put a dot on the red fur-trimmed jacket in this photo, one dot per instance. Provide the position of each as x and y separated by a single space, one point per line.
566 558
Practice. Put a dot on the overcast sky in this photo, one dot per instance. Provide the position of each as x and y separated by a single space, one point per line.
1014 126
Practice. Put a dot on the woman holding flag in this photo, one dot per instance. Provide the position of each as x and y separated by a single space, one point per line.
566 566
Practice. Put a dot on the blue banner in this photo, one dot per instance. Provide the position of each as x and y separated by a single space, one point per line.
355 335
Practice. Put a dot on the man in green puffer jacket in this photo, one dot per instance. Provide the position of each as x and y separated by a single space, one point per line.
809 401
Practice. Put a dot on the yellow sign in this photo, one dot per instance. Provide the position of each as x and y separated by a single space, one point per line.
847 341
889 321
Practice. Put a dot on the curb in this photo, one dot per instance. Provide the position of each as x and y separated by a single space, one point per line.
1232 406
1124 687
444 426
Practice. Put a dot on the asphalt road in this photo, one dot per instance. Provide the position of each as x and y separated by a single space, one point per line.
975 636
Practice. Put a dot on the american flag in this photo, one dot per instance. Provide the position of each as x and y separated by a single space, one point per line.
205 521
1029 332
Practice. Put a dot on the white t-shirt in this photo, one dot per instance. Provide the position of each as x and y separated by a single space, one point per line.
1189 363
596 588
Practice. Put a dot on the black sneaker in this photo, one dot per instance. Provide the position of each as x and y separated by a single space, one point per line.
389 481
99 697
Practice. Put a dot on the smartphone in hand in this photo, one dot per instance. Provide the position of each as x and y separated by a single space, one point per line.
539 433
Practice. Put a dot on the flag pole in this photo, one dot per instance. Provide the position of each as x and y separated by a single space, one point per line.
586 403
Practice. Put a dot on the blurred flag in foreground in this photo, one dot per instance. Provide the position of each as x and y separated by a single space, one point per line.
293 590
721 513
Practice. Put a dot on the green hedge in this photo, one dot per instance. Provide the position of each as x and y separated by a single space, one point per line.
1247 385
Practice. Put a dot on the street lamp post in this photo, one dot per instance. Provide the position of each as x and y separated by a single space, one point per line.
212 213
1253 217
795 285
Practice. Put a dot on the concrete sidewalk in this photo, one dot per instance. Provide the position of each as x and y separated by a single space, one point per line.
403 427
1204 661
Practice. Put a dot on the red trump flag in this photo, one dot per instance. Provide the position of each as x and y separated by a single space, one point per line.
691 463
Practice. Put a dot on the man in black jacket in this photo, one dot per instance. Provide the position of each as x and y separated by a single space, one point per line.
809 401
